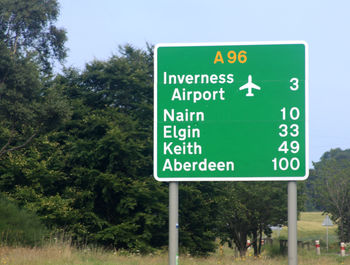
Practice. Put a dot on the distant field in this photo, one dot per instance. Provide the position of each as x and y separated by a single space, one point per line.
309 228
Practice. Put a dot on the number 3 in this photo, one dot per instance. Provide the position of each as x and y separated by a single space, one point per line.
295 85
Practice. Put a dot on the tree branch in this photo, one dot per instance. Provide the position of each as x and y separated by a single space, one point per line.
5 146
5 151
15 45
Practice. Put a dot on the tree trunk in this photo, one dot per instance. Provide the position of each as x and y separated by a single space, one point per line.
255 243
260 240
341 229
241 244
242 252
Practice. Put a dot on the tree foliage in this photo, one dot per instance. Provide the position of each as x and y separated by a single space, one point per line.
96 178
198 214
28 28
248 210
29 104
331 185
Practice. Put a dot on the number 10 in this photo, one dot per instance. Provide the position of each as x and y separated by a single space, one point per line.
294 113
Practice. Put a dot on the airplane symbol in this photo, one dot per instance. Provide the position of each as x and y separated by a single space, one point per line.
250 85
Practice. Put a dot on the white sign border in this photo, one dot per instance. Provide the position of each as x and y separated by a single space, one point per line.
155 112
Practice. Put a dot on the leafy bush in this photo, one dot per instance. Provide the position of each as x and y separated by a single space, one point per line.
19 226
276 249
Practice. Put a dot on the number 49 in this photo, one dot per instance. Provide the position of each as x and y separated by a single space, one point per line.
293 147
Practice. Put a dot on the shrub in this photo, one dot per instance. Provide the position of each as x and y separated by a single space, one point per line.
276 249
18 226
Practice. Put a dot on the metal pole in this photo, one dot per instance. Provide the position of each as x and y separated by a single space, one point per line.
173 223
292 224
327 237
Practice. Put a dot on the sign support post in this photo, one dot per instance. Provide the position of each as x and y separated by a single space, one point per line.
292 224
173 223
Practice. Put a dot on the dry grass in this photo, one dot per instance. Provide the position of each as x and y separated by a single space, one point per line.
63 254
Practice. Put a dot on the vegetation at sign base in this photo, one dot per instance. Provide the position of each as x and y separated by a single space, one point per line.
248 209
61 253
76 150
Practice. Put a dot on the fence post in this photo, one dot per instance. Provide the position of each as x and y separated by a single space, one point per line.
342 249
318 247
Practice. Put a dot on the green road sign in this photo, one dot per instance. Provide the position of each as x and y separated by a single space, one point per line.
231 111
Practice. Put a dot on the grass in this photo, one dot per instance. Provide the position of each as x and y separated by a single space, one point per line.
65 255
309 227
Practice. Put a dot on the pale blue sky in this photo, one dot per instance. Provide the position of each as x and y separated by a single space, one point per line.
96 28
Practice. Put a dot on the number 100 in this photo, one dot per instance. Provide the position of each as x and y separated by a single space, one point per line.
284 164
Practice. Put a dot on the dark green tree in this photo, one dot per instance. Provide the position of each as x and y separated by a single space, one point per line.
27 108
130 91
103 159
331 186
311 200
199 209
247 210
29 40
